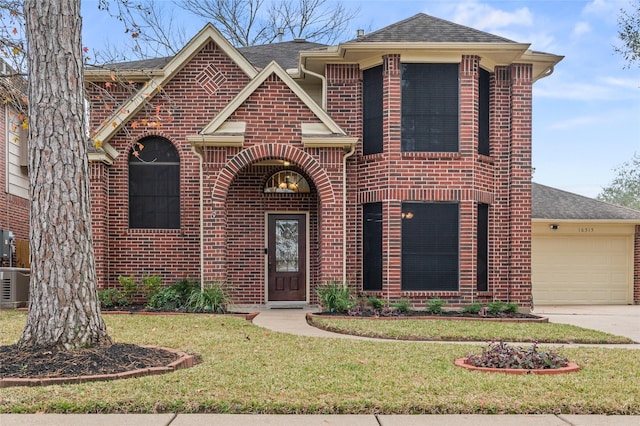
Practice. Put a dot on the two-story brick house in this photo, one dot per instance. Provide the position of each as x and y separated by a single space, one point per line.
399 162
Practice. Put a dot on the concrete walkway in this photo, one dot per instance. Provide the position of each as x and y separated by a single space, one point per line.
620 320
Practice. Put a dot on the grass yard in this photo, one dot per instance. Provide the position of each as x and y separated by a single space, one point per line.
247 369
482 331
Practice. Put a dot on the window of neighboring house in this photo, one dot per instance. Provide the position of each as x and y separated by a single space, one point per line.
17 161
430 246
372 110
430 107
372 246
482 271
154 185
483 113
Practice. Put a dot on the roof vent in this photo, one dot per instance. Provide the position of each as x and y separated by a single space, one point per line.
299 40
360 33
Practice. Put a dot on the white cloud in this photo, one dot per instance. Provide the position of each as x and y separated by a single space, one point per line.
486 18
580 29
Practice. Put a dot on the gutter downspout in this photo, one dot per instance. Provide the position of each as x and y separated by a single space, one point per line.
201 178
323 79
347 154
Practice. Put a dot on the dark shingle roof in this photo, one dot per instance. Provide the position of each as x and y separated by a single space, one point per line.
426 28
143 64
552 203
285 53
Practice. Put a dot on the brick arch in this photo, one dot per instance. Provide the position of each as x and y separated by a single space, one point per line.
150 135
269 152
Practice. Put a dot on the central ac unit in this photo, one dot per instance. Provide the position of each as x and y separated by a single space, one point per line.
14 287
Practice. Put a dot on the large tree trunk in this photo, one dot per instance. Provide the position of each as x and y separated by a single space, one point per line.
64 310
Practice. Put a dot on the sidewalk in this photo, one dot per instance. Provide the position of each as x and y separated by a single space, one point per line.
311 420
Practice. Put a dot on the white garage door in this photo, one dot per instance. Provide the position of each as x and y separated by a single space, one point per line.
581 270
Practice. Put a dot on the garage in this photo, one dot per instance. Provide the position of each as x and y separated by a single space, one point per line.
582 250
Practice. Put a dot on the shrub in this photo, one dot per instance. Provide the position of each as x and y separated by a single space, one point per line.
473 308
402 306
111 297
167 299
129 288
501 355
215 298
151 284
495 308
511 308
335 296
375 303
434 306
184 288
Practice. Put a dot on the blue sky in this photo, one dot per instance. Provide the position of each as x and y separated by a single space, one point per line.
586 115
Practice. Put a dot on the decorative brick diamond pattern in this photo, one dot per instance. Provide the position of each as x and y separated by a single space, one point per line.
210 79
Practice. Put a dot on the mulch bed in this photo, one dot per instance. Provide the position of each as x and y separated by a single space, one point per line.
443 315
51 362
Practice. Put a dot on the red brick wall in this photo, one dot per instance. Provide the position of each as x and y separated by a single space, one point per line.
636 268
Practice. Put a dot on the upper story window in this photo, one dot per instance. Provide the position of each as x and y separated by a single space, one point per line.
154 185
483 112
372 110
287 181
430 107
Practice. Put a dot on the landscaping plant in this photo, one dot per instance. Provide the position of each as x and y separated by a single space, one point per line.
335 296
434 306
501 355
402 306
473 308
110 297
215 298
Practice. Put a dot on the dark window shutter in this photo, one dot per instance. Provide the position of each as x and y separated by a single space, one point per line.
483 113
482 274
372 246
372 110
430 246
430 107
154 185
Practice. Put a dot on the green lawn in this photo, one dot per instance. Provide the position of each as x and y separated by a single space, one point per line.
482 331
247 369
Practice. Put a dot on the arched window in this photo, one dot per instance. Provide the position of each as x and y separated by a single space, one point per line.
287 181
154 185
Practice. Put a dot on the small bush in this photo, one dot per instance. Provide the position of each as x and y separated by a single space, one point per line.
335 296
495 308
375 303
402 306
215 298
167 299
511 308
434 306
184 288
111 297
473 308
151 284
501 355
129 288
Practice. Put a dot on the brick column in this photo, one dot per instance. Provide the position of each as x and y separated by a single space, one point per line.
636 267
99 177
520 187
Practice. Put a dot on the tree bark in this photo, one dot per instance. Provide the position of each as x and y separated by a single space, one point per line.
64 309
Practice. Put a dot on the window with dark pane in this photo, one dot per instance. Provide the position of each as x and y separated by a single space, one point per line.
482 274
430 246
154 185
430 107
372 110
372 246
483 113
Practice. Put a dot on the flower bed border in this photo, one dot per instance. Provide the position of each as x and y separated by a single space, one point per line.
311 315
569 368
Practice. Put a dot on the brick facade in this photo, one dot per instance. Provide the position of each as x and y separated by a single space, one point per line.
224 207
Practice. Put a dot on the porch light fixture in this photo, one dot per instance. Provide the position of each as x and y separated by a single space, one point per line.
554 226
408 215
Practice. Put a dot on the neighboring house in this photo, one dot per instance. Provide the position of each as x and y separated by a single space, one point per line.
584 251
14 180
399 162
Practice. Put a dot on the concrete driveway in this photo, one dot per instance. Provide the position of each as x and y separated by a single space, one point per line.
622 320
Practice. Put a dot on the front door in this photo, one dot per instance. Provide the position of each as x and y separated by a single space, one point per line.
287 257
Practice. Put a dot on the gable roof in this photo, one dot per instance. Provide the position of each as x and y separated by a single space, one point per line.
286 53
429 29
222 132
556 204
157 80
